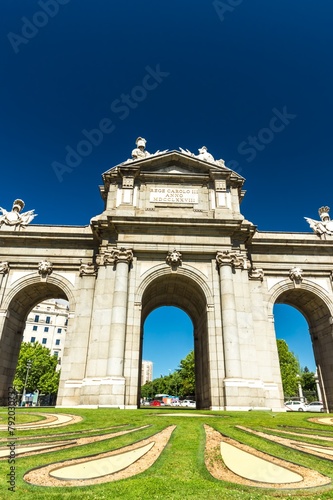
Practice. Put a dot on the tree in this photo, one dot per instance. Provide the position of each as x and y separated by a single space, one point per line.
289 367
308 384
179 383
42 374
186 375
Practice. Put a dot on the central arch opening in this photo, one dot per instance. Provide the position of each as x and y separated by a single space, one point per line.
167 339
182 292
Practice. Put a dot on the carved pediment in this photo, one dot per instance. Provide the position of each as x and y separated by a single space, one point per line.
153 182
173 169
174 162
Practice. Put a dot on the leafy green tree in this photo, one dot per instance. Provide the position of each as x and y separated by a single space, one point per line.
175 383
186 374
42 374
147 390
179 383
308 383
290 369
308 380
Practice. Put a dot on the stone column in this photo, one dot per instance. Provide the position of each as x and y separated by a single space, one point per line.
320 397
300 390
122 257
225 261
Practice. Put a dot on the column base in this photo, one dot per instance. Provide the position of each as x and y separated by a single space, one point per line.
108 392
251 394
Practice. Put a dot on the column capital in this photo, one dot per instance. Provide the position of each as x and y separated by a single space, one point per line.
256 274
117 255
234 259
88 269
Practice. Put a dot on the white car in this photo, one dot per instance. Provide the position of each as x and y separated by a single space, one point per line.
315 406
294 406
189 403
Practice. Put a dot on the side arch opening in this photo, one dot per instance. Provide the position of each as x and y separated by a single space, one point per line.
13 325
318 317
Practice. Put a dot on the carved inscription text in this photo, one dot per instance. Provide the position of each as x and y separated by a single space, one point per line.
173 195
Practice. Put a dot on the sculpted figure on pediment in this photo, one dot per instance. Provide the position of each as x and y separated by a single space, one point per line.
203 155
324 226
140 152
15 218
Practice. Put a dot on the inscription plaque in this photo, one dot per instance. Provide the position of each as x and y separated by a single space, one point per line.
173 195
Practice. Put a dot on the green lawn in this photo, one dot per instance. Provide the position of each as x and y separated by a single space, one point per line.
22 417
180 472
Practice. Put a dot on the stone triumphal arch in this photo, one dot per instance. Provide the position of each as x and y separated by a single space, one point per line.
171 233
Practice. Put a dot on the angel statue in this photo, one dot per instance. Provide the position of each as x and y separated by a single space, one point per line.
15 217
324 226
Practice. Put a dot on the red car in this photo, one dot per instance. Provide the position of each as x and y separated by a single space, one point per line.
155 403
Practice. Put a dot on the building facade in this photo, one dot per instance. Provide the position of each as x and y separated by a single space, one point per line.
146 372
47 324
171 233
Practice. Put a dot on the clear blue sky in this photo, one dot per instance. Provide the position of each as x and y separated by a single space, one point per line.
222 79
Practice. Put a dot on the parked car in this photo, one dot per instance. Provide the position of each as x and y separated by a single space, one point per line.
189 403
315 406
155 403
176 403
294 406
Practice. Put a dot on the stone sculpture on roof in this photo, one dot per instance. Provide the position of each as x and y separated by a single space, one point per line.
203 155
140 152
324 226
15 218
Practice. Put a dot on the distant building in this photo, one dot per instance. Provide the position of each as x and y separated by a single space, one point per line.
146 372
47 324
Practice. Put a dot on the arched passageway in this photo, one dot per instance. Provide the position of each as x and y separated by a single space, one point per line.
319 319
183 292
167 339
291 326
19 306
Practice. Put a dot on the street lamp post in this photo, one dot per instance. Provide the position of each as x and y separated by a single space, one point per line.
29 363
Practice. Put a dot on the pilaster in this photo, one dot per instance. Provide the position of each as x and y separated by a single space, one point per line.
226 261
121 258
